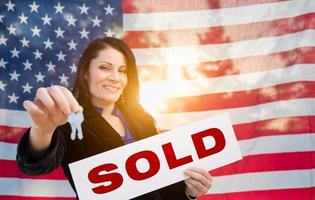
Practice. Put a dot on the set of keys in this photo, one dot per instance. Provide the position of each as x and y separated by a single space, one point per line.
75 120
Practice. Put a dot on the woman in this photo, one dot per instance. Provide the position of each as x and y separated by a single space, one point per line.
106 89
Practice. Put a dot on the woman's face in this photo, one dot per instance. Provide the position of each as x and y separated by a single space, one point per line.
107 77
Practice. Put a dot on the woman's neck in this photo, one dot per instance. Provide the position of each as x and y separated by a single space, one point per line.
105 109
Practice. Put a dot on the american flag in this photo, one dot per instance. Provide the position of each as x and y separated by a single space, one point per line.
252 58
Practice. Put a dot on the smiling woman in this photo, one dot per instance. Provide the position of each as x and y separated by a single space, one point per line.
106 89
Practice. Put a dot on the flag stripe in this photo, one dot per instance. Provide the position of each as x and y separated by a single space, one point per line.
260 163
221 184
253 146
210 18
11 134
237 99
202 53
279 109
218 35
252 163
303 55
151 6
232 83
12 171
263 181
277 126
47 188
6 197
283 194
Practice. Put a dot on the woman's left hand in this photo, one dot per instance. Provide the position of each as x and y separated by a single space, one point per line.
198 183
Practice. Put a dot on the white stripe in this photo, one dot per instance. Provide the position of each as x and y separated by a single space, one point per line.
203 53
277 144
221 184
14 118
216 17
36 188
274 144
278 109
230 83
263 181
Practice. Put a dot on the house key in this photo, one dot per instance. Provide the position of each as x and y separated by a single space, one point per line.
75 120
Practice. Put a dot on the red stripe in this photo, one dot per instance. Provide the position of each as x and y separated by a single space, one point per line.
219 35
253 163
278 126
149 6
305 55
283 194
9 169
11 134
239 99
268 162
5 197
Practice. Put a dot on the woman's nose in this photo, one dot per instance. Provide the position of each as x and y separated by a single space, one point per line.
114 75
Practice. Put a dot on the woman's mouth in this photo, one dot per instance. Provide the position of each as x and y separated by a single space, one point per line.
111 88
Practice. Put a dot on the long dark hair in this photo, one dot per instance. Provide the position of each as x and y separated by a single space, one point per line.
141 122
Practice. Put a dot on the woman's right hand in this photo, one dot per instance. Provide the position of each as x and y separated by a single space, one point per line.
51 107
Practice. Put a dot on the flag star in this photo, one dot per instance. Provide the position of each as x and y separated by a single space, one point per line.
73 68
96 21
72 45
59 8
23 19
2 85
34 7
13 98
11 29
15 53
63 79
109 10
59 32
27 88
3 63
39 77
3 40
38 55
84 33
83 9
109 33
48 44
35 31
50 66
46 19
71 20
1 17
10 6
61 56
14 76
27 65
24 42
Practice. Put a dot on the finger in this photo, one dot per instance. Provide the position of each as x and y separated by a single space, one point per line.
196 184
60 99
190 188
205 173
32 108
43 97
199 177
75 107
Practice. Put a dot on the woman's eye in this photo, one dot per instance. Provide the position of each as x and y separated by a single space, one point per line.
123 71
105 67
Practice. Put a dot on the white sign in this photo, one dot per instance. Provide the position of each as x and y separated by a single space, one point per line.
147 165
